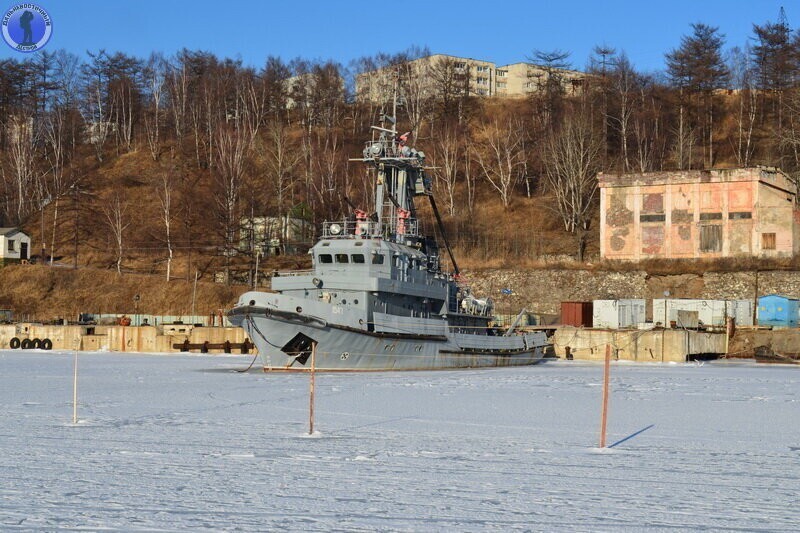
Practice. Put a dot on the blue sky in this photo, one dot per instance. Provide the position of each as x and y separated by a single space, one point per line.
499 31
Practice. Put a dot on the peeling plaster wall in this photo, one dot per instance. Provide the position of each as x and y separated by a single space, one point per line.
697 214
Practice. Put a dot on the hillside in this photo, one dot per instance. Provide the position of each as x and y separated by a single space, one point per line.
42 293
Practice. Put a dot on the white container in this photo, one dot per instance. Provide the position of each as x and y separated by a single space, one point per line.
742 311
616 314
710 313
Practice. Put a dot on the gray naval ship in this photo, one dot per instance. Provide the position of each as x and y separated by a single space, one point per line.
377 297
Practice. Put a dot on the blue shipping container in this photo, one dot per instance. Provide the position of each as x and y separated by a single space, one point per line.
777 310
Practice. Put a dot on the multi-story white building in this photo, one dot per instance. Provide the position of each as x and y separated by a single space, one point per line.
461 75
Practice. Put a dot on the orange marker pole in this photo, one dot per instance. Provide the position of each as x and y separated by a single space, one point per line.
75 389
311 389
604 413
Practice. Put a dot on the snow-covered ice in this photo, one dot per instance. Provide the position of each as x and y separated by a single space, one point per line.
180 442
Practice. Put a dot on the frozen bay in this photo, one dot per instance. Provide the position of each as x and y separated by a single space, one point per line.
177 442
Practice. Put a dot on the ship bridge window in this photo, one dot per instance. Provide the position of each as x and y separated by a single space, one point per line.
342 258
357 258
377 259
325 258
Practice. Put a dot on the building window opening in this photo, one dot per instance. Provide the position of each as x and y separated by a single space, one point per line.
711 238
767 241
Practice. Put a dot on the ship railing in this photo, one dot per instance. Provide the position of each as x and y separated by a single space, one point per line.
291 273
365 229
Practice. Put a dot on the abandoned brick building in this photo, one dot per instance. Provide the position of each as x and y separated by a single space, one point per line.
698 214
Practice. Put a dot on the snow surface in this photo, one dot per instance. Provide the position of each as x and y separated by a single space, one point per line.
180 442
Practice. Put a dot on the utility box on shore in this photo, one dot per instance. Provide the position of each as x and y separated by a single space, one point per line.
778 311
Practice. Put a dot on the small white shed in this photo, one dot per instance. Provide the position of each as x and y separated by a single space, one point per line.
15 245
616 314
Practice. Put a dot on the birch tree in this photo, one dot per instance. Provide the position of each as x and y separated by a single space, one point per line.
499 152
21 158
116 212
448 157
571 159
230 150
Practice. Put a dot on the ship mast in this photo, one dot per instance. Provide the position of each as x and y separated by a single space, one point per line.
400 177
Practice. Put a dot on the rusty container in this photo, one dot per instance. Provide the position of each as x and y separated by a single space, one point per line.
578 314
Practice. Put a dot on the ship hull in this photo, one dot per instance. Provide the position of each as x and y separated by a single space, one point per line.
338 348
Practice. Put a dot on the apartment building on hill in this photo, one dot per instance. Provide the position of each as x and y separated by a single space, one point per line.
461 75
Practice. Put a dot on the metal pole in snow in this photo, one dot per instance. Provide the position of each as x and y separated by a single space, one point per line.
311 389
604 412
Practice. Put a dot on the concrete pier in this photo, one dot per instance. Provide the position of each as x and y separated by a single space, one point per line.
654 345
151 339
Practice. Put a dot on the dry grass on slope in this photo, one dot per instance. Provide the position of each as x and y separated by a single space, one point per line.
45 293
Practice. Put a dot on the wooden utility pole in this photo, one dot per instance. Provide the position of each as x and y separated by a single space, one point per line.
311 389
604 412
75 389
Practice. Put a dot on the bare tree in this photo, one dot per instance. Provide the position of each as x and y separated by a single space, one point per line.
647 126
96 110
116 217
56 155
414 87
742 76
281 157
155 77
177 80
624 86
328 163
499 152
448 157
231 151
571 158
164 188
21 157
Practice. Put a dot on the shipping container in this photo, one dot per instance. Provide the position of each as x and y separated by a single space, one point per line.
710 313
777 311
616 314
578 314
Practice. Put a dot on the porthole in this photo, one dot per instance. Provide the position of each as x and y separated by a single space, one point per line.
344 302
355 302
252 302
299 309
